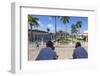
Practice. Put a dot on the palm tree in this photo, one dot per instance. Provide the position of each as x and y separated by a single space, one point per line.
48 30
32 21
61 33
73 30
54 19
65 20
79 25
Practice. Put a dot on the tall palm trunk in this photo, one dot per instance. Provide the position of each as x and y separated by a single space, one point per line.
65 31
65 19
79 32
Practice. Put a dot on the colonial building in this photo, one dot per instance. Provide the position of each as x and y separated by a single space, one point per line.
38 35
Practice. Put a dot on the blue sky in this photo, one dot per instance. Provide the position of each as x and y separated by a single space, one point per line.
48 22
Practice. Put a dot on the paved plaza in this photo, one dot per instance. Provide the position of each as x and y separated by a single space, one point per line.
63 51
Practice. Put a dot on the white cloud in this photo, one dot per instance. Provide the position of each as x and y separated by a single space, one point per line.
50 18
41 25
39 22
52 29
50 25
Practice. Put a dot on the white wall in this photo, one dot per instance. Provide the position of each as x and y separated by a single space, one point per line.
5 33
